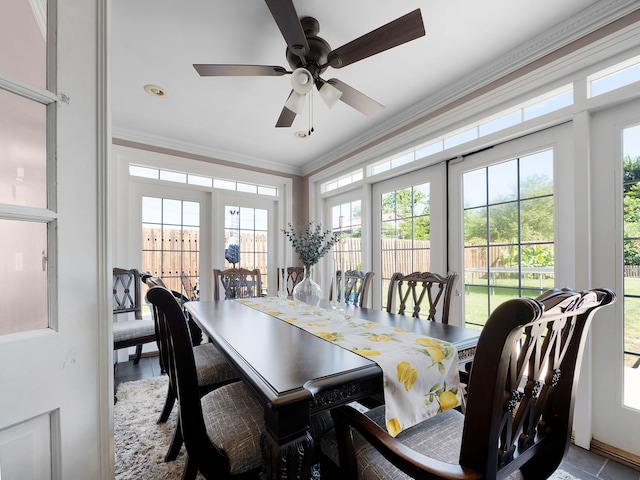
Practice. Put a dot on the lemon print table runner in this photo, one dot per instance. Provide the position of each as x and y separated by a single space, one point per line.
420 373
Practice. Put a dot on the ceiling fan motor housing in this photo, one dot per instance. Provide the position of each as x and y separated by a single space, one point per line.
319 49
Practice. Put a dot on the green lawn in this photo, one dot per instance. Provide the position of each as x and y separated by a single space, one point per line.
477 308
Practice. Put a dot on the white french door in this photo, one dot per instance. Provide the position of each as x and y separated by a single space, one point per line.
169 233
506 234
409 231
616 383
249 222
55 384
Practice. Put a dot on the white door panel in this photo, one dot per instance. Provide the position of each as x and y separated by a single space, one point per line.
435 177
613 423
55 382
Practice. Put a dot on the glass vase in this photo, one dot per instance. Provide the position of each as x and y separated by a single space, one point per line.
307 291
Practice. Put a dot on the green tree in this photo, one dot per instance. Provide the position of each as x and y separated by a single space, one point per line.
411 211
533 222
631 210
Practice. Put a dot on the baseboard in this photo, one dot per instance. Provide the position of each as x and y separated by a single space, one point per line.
616 454
144 355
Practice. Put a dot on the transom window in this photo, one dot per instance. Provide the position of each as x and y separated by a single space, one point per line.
200 180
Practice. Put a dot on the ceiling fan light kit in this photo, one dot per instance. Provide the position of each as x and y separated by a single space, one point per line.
295 102
309 56
329 94
301 81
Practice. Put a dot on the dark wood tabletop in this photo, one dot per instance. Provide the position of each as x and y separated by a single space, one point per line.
296 374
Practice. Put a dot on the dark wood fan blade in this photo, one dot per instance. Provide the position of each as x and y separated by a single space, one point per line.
286 118
402 30
222 70
284 13
356 99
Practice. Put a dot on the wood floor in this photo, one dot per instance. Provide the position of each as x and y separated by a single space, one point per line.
581 463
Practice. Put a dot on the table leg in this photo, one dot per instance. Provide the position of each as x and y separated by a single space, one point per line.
290 460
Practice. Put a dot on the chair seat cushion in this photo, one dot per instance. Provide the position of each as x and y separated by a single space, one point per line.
131 329
439 437
212 366
237 432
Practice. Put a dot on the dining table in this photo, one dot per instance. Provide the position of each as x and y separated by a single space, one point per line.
300 361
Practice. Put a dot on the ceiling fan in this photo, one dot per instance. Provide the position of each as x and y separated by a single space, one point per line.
309 56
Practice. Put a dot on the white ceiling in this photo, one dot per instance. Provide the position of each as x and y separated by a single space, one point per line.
233 118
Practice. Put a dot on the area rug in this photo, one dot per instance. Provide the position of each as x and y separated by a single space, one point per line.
141 443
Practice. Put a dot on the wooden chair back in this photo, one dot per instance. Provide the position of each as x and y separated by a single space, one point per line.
519 410
520 404
236 283
407 293
288 278
183 377
190 289
127 296
196 332
356 287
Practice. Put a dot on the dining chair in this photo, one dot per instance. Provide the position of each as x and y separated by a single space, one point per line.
153 280
288 278
221 430
519 410
127 299
187 284
212 368
356 287
408 292
236 283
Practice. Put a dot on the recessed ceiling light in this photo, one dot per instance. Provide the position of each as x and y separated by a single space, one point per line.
300 134
155 90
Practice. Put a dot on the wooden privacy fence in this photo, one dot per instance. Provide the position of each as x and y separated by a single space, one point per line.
170 252
632 271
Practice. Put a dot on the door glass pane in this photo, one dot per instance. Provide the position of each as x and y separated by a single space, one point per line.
170 243
23 263
346 219
631 170
246 240
23 48
23 151
508 234
405 234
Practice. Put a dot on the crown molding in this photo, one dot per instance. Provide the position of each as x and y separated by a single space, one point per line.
589 20
195 149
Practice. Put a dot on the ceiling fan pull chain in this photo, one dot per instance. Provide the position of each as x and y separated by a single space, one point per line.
310 112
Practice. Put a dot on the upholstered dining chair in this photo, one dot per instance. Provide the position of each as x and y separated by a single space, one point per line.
222 429
212 368
519 410
236 283
127 299
288 278
408 292
356 287
191 290
153 280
